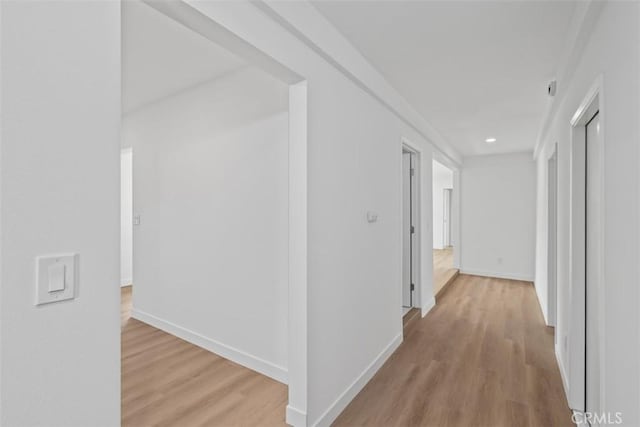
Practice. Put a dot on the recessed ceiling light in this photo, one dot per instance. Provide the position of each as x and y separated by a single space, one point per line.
490 140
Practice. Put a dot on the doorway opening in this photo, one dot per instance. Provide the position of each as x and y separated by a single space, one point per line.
214 326
411 228
444 193
586 373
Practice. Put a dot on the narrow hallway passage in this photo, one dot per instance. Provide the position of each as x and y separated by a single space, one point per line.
483 356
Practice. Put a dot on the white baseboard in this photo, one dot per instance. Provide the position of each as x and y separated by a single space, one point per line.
125 282
347 396
542 310
295 417
544 313
431 302
247 360
522 277
563 372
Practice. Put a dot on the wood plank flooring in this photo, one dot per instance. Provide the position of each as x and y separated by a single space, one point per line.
443 271
169 382
482 357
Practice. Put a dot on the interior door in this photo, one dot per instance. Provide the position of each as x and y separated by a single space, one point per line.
593 242
407 228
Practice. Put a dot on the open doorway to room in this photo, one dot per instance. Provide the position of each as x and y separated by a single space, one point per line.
443 229
410 233
213 171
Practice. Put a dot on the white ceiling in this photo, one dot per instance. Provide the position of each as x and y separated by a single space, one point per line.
161 57
473 69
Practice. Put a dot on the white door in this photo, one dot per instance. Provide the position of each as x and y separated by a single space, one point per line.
446 221
407 227
593 242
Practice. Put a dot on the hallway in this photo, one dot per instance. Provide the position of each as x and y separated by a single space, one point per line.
265 216
483 356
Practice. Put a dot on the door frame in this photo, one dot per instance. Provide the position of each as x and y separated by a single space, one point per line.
456 208
593 102
423 294
413 193
447 198
552 238
297 325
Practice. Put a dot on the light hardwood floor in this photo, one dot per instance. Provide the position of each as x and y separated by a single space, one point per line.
443 271
482 357
169 382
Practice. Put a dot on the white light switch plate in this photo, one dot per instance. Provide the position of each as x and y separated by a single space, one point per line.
55 278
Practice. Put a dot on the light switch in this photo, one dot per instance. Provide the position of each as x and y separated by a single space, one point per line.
55 278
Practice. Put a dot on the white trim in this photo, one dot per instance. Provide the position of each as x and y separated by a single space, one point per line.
592 102
240 357
544 314
508 276
425 227
420 294
295 417
551 310
358 384
426 308
126 282
563 371
456 215
587 104
297 337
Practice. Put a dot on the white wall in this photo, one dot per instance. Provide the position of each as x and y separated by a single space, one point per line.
354 167
498 215
354 149
126 217
59 175
611 52
442 178
211 182
354 152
